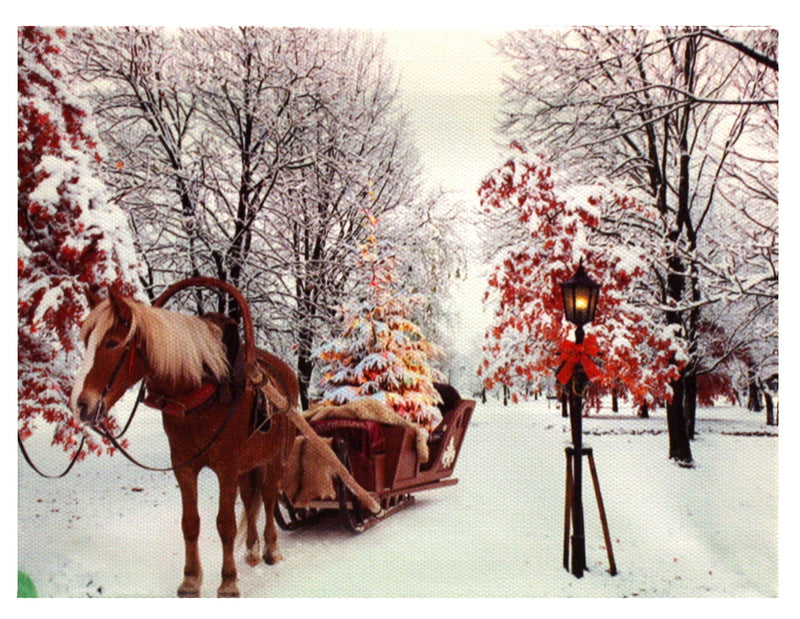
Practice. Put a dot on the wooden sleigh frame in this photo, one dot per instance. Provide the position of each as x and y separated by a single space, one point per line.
390 471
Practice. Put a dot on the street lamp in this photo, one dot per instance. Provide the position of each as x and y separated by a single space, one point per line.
580 302
580 294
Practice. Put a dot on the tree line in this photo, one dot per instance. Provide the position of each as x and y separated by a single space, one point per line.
253 155
248 154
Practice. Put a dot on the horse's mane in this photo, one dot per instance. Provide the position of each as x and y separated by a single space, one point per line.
179 348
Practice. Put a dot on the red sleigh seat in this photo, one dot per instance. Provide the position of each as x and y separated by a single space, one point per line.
384 457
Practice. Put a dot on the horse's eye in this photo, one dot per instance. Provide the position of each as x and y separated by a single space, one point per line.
112 344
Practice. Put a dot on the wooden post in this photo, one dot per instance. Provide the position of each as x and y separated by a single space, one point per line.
572 455
612 566
567 505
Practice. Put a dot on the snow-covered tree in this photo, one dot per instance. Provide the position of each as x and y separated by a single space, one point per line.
687 115
550 226
381 352
247 153
428 238
738 358
70 238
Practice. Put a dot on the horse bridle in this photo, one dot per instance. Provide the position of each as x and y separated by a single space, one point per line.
130 352
129 355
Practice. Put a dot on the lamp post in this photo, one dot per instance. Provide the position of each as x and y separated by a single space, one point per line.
580 302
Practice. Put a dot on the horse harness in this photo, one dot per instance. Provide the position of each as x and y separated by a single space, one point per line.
260 415
193 402
209 393
188 403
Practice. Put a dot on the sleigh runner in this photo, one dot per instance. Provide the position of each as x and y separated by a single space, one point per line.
386 460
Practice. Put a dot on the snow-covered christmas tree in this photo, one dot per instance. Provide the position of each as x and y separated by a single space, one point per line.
70 238
381 353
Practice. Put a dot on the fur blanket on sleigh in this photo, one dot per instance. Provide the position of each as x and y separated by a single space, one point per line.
309 472
370 409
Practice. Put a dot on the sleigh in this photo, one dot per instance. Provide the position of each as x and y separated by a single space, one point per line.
385 461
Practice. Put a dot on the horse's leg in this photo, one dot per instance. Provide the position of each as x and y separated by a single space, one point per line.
250 491
226 526
190 523
269 494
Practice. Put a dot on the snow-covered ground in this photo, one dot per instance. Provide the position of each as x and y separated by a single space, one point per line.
110 529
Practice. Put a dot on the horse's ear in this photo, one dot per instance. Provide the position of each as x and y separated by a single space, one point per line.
120 306
92 298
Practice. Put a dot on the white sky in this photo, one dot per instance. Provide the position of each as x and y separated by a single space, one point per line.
450 81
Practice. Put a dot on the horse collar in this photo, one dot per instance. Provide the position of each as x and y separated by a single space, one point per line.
183 404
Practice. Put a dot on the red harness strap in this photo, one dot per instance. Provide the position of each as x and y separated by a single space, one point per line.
132 355
184 403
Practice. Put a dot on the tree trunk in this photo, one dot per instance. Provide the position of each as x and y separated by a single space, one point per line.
614 401
690 403
768 387
564 410
644 411
305 364
753 398
770 409
678 276
305 339
753 392
680 449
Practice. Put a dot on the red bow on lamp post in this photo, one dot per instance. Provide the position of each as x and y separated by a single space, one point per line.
573 354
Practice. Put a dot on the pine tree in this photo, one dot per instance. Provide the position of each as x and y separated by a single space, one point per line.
381 352
69 237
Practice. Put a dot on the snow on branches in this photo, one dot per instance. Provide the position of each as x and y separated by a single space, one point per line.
381 353
69 237
548 226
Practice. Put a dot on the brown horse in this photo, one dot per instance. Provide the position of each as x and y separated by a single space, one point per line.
208 402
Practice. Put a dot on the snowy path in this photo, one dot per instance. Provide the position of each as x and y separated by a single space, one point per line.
112 530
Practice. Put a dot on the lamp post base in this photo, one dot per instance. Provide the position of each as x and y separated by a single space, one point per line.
578 555
577 541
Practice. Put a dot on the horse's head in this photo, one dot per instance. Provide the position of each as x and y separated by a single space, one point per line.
111 363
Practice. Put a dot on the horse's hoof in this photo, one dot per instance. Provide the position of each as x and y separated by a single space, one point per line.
228 590
271 558
252 559
190 587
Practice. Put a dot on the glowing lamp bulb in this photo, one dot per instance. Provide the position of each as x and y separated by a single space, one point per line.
580 297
